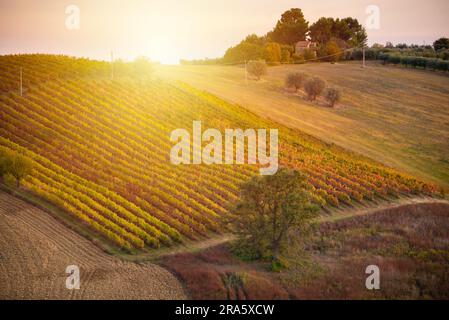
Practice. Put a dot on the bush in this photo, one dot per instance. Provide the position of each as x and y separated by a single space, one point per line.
443 65
298 58
394 59
9 180
257 68
309 54
15 165
313 87
272 53
333 52
415 61
443 54
332 95
295 80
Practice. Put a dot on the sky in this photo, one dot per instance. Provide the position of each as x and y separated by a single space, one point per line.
169 30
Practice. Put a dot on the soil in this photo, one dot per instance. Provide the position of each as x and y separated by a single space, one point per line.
35 250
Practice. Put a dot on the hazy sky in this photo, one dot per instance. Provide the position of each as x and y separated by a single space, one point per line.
168 30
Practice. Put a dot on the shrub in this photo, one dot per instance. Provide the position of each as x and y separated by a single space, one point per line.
298 58
257 68
443 65
394 59
295 80
9 180
309 54
443 54
415 61
272 53
333 52
314 86
286 54
16 165
332 95
383 57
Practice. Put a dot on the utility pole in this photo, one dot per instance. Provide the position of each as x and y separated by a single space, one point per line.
21 82
246 74
363 54
112 65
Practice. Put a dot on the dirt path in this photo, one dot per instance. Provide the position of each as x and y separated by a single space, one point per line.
364 210
339 214
35 250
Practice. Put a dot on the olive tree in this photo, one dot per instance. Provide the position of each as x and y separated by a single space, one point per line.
313 87
257 68
295 80
271 209
332 95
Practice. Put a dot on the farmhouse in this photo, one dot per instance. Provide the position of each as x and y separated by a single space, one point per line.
301 46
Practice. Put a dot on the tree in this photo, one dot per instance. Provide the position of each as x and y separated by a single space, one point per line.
313 87
286 53
291 28
348 30
332 95
322 30
142 66
272 53
257 68
359 39
15 165
333 52
272 209
251 48
442 43
295 80
309 54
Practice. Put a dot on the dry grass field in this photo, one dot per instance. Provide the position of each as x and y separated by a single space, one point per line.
35 250
394 115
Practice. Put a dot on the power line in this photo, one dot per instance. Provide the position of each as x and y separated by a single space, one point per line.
308 60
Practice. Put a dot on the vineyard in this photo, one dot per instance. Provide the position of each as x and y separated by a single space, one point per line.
100 150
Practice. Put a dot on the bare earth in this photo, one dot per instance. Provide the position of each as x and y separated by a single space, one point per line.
35 250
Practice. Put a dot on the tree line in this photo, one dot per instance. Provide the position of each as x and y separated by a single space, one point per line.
278 45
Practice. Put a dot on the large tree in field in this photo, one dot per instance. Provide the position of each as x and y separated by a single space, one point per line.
271 209
291 28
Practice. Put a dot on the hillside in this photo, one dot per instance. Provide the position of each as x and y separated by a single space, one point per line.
394 115
407 242
101 152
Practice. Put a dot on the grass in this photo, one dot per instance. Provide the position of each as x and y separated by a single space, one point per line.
407 243
397 116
